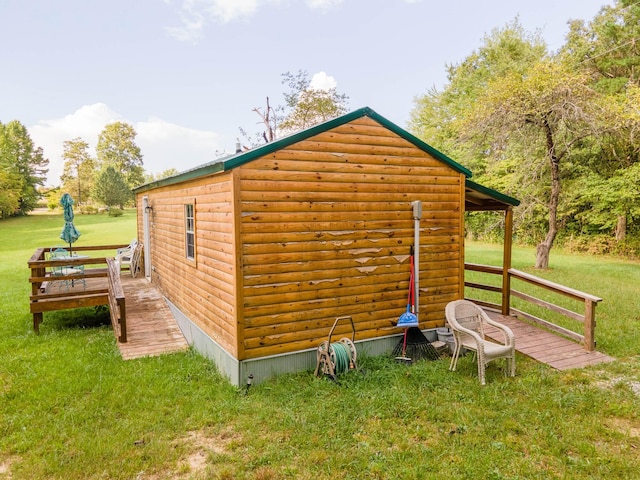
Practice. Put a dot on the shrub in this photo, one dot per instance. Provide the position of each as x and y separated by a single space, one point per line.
115 212
603 245
88 209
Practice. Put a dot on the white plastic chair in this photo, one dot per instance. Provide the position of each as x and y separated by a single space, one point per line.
125 255
467 321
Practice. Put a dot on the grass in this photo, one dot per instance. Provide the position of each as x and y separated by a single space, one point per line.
70 408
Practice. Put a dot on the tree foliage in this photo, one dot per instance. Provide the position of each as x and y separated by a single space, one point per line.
308 106
110 188
22 170
608 47
117 148
438 114
548 110
79 169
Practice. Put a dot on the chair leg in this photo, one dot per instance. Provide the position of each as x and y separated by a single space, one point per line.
454 358
481 369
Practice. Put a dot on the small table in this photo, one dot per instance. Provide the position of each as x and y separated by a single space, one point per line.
70 269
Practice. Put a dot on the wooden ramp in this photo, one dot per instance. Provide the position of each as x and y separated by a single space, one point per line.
151 327
549 348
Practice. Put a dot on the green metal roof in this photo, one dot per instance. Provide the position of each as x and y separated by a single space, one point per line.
232 161
478 197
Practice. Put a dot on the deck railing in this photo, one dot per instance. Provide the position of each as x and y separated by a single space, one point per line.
44 299
117 306
587 318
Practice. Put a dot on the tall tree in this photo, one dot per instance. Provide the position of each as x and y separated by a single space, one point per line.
551 109
269 119
117 148
79 168
110 188
23 166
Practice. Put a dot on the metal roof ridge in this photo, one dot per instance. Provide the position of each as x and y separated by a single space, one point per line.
240 158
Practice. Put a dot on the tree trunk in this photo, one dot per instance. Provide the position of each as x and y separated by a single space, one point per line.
621 228
269 134
543 249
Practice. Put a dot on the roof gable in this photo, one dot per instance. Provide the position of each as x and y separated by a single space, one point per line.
232 161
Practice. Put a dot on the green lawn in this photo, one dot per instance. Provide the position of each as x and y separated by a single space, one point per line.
70 408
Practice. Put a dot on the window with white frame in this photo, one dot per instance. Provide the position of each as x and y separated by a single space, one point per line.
190 231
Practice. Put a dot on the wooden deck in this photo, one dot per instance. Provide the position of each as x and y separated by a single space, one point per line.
549 348
151 327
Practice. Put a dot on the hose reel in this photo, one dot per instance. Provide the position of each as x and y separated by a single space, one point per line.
337 358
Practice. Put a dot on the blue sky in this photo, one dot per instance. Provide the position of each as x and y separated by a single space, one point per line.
187 73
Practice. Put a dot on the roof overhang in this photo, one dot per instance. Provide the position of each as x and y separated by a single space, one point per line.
479 198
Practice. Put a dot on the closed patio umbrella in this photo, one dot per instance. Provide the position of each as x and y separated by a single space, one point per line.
69 232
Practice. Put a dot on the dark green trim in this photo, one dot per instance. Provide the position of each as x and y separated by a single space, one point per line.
419 143
233 161
197 172
501 197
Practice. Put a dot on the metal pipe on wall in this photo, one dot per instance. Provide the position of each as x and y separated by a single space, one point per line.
417 215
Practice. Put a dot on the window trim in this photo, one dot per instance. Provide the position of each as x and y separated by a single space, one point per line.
190 233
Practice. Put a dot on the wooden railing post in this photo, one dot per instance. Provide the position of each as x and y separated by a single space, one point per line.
506 262
589 325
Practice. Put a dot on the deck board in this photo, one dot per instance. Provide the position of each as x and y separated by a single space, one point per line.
151 327
549 348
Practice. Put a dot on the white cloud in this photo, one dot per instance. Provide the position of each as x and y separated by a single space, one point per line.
323 4
322 81
191 29
164 145
228 10
167 145
194 14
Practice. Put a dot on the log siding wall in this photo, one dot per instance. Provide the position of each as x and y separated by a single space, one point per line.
327 227
204 289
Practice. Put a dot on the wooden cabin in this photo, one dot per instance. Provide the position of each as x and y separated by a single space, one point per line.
259 252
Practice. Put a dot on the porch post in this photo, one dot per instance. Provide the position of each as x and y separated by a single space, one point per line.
506 261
